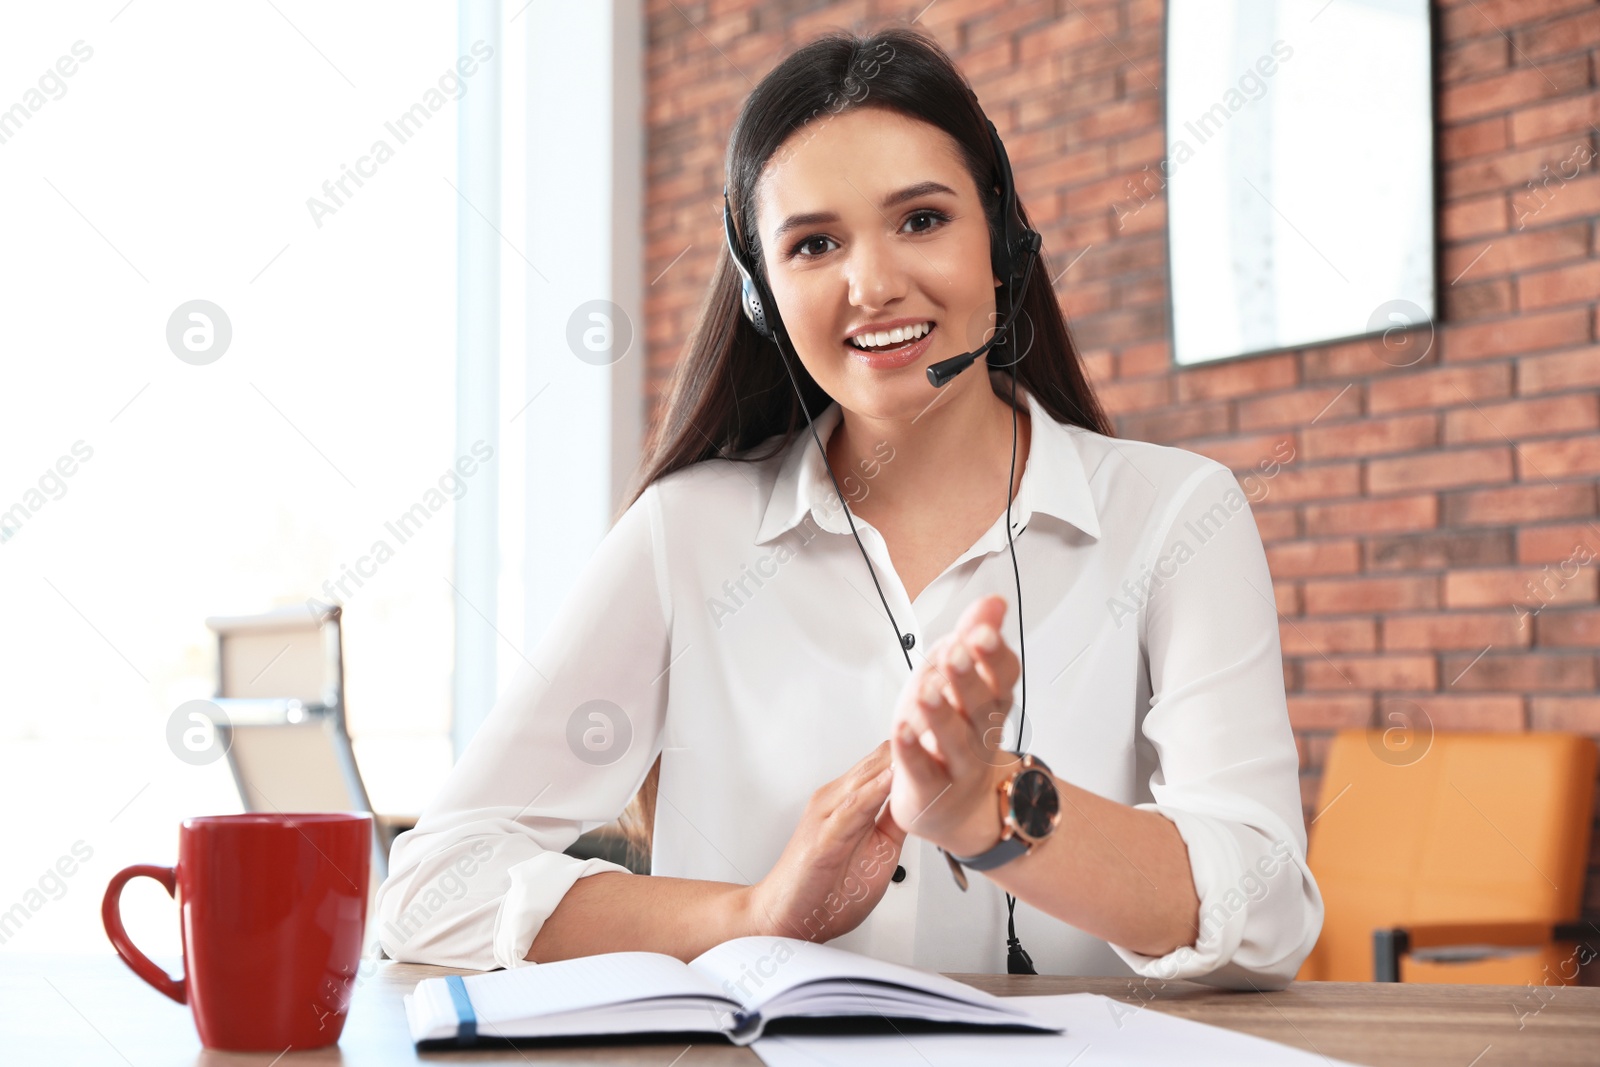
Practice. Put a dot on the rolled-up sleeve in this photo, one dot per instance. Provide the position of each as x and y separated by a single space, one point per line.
565 747
1227 771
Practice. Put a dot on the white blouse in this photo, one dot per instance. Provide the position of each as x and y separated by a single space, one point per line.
727 622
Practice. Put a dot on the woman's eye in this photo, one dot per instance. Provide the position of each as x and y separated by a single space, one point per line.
807 248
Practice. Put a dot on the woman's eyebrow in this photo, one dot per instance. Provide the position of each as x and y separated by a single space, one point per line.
814 218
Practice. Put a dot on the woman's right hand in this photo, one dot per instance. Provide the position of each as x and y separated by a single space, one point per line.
838 861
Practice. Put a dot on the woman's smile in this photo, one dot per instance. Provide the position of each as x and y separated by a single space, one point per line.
894 352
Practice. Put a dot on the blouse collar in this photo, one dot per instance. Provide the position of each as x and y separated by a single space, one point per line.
1053 479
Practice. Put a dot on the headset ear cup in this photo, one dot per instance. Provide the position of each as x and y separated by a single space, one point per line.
754 310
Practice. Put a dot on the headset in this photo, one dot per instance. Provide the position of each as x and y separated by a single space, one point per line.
1013 250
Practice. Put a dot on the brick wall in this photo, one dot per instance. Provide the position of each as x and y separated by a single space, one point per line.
1423 500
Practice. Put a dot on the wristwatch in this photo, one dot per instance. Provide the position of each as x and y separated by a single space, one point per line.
1030 809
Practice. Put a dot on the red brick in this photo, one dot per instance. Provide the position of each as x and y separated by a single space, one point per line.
1064 34
1439 470
1373 516
1372 355
1276 524
1083 298
1555 36
1517 251
1257 453
1444 387
977 63
1286 598
1323 637
1439 550
1352 596
1370 437
1502 92
1509 170
1098 366
1495 17
1473 139
1578 369
1568 628
1579 715
1141 149
1299 407
1478 300
1176 424
1558 543
1371 672
1576 284
1033 17
1476 57
1566 413
1541 205
1137 395
1324 481
1501 587
1495 507
1573 457
1477 217
1122 117
1135 361
1569 118
1306 558
1456 712
1237 377
1090 163
1515 336
1150 287
1455 629
1329 712
1516 672
1128 255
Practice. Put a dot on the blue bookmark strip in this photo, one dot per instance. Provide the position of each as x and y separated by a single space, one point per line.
466 1018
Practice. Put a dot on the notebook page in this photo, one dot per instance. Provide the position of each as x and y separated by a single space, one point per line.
755 971
583 984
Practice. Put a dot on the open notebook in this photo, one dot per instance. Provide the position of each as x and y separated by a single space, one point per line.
736 988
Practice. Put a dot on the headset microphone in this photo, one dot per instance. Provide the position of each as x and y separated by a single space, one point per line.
946 369
1014 243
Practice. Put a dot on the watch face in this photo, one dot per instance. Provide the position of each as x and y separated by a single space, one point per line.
1034 803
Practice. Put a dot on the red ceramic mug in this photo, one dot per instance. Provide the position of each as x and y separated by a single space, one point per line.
272 909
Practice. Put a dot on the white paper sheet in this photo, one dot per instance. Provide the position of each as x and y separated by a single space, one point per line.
1100 1032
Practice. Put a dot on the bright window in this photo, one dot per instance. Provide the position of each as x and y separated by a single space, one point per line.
290 163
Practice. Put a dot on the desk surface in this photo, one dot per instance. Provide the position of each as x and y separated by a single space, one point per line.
89 1010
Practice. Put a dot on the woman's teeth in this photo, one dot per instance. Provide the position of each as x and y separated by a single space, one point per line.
884 338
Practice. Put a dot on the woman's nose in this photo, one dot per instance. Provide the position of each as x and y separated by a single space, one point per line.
877 278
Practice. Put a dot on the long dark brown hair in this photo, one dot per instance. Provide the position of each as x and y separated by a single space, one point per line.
730 391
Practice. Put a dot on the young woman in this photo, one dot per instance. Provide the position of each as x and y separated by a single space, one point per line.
725 660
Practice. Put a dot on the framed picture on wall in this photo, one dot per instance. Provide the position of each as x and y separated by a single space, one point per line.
1298 173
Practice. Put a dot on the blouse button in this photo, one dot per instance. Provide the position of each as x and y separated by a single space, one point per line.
899 874
907 640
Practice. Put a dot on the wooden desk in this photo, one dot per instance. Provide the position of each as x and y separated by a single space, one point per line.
91 1010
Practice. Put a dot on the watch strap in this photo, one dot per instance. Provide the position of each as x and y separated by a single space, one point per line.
1002 852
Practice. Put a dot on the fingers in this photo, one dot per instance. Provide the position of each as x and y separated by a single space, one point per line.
887 826
979 631
990 609
925 772
864 770
941 728
855 808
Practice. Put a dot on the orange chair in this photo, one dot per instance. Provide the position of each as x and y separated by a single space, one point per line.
1456 857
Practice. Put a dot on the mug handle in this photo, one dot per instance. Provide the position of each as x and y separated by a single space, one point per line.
111 915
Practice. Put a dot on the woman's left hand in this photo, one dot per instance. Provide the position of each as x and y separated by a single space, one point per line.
947 731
